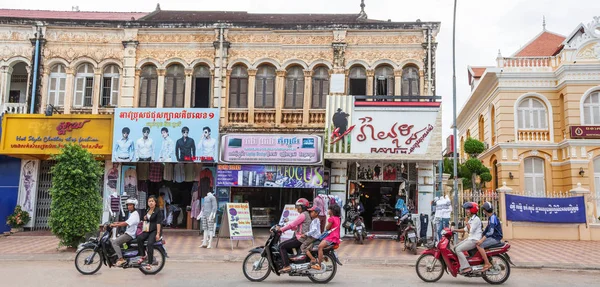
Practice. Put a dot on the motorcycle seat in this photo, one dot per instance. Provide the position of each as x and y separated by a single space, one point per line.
133 243
498 245
300 257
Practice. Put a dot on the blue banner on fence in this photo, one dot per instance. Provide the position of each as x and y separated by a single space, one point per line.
543 209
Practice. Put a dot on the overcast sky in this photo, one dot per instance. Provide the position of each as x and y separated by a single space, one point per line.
483 26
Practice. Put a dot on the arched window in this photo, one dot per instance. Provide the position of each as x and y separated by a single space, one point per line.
410 81
264 97
238 87
531 115
148 87
383 83
481 128
320 88
294 88
201 89
493 124
591 109
174 86
57 85
357 81
110 86
534 176
84 85
461 147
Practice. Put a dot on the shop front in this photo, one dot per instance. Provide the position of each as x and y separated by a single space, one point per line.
383 157
170 154
35 138
269 171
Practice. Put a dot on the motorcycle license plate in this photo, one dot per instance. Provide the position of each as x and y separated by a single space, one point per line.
412 235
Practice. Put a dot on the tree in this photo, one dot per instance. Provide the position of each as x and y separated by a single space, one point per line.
76 202
473 167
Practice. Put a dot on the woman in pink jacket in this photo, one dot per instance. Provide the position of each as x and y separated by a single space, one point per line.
300 225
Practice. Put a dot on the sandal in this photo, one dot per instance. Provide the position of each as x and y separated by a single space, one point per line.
148 267
141 260
486 267
466 270
285 269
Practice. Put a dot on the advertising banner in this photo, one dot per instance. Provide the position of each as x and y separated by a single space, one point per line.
543 209
166 135
270 176
585 132
282 149
240 225
42 135
288 215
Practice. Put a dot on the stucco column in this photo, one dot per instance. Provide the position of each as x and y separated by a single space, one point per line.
44 90
507 231
129 88
251 85
370 77
590 215
307 96
136 89
27 90
422 83
279 95
69 90
397 82
160 93
187 102
96 90
4 83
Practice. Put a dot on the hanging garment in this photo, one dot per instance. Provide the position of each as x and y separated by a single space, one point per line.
114 203
143 171
179 173
168 172
189 172
142 200
156 172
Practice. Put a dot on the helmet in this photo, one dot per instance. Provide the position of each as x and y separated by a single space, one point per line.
303 202
132 201
471 206
487 206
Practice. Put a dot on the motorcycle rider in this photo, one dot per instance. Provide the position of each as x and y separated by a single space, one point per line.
131 223
300 225
473 227
492 234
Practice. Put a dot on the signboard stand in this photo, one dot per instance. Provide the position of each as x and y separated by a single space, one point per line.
236 218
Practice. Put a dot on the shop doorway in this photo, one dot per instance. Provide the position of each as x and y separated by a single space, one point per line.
43 199
379 200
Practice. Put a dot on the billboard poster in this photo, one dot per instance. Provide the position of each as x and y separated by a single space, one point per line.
281 149
544 209
240 225
165 135
270 176
288 215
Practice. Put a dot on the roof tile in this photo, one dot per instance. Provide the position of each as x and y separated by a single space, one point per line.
544 45
70 15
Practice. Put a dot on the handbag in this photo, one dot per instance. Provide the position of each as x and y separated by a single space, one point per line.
146 225
139 229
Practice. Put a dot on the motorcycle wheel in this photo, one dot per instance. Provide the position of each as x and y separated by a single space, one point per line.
360 239
413 247
427 273
248 267
499 265
160 257
329 263
82 256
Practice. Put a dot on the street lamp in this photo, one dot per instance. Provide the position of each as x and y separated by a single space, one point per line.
454 116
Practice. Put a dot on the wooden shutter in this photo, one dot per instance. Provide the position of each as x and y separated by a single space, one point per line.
259 95
79 90
144 93
152 92
243 93
89 86
169 93
234 100
289 93
299 104
179 92
114 96
62 87
270 93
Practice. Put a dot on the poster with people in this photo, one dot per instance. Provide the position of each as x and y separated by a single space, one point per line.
129 186
112 176
166 135
288 215
240 225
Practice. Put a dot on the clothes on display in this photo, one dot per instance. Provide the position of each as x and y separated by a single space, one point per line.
168 174
189 172
156 172
179 173
207 217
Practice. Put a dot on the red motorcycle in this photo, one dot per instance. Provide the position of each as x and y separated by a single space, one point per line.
435 260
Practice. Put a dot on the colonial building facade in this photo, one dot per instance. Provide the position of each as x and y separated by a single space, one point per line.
538 113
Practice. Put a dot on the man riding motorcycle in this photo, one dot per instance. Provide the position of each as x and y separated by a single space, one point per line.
300 226
131 223
492 234
473 227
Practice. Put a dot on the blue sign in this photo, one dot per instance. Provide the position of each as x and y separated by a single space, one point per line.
543 209
166 135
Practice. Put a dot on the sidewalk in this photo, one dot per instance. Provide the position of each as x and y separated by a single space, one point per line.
184 246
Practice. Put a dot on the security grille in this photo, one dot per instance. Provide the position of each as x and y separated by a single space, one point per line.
42 211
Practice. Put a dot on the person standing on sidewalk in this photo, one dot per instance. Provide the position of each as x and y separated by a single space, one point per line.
492 234
473 227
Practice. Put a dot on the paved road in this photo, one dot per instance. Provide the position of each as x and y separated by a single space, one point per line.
47 274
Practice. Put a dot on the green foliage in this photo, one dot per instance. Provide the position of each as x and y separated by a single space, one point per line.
473 147
484 169
448 167
485 177
474 165
19 218
76 202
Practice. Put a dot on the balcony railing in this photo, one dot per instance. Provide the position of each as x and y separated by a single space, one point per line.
529 63
13 108
533 135
291 117
316 117
397 98
237 116
262 117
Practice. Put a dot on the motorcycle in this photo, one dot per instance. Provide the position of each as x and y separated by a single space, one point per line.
406 226
263 260
98 250
434 261
355 223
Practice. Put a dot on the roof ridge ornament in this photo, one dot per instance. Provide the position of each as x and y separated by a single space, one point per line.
157 6
362 15
544 22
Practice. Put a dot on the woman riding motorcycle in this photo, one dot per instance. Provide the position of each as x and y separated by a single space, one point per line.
300 225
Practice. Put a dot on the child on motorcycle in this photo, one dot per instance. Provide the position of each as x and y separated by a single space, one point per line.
333 223
492 234
313 234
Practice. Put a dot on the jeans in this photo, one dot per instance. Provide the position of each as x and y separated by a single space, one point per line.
443 223
466 245
117 242
151 237
285 246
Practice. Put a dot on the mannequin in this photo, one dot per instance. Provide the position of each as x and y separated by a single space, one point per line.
207 217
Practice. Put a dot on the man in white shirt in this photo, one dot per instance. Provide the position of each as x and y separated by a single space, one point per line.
131 223
207 145
123 150
144 147
474 228
167 150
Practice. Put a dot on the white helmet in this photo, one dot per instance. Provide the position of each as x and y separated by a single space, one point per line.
131 201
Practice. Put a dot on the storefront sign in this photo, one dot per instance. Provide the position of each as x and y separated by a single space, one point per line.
270 176
288 215
166 135
543 209
42 135
392 130
240 225
585 132
275 149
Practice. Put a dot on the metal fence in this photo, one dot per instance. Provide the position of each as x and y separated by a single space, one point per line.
478 197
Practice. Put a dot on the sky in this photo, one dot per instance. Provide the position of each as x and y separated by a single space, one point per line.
482 26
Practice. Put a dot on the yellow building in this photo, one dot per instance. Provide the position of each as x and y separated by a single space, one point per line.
538 113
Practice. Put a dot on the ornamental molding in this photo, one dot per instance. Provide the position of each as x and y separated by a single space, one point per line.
373 55
96 52
162 37
9 34
282 55
384 38
281 38
92 37
8 51
527 83
163 54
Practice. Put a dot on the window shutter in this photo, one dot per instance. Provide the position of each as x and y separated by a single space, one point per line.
89 86
323 94
595 113
289 94
270 95
79 90
144 93
259 94
243 93
52 91
234 100
180 92
390 86
115 91
169 93
62 91
299 93
152 93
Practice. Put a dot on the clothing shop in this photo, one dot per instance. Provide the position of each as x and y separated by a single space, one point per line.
269 171
147 162
34 138
383 157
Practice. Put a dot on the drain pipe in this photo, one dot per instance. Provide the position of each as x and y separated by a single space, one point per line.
36 64
220 67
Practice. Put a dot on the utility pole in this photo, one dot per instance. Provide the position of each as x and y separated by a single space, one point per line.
456 205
